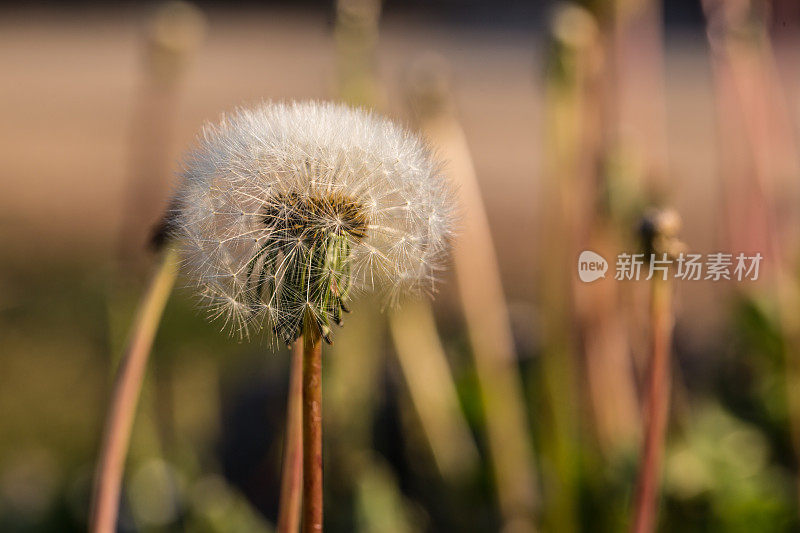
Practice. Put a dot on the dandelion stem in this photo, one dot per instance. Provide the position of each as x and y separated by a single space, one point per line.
128 384
292 471
656 409
312 426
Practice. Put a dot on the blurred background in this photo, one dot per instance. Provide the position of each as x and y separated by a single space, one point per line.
515 400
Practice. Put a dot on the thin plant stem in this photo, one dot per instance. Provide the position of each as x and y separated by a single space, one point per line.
312 427
570 148
292 470
510 444
173 35
618 58
656 409
432 390
356 35
125 396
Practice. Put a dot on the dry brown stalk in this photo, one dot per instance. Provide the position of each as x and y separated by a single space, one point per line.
125 396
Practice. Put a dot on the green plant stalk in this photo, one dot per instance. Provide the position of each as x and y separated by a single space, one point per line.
566 129
312 426
356 35
292 470
656 409
619 54
125 396
432 391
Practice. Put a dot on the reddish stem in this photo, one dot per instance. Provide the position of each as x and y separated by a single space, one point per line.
125 396
312 431
656 409
292 471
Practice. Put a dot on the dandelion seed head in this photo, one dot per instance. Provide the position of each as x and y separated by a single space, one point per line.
285 210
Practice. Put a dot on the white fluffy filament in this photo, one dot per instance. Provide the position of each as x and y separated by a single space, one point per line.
284 208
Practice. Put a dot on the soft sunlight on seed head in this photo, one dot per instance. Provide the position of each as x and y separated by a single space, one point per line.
286 209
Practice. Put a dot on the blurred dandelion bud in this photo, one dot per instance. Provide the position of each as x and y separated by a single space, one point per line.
573 26
175 30
658 230
286 209
575 51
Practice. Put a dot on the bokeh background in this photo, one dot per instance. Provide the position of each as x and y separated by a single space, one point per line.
516 400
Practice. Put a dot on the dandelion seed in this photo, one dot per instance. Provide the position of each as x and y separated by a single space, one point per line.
285 210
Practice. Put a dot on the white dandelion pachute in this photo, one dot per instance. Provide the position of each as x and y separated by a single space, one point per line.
284 210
